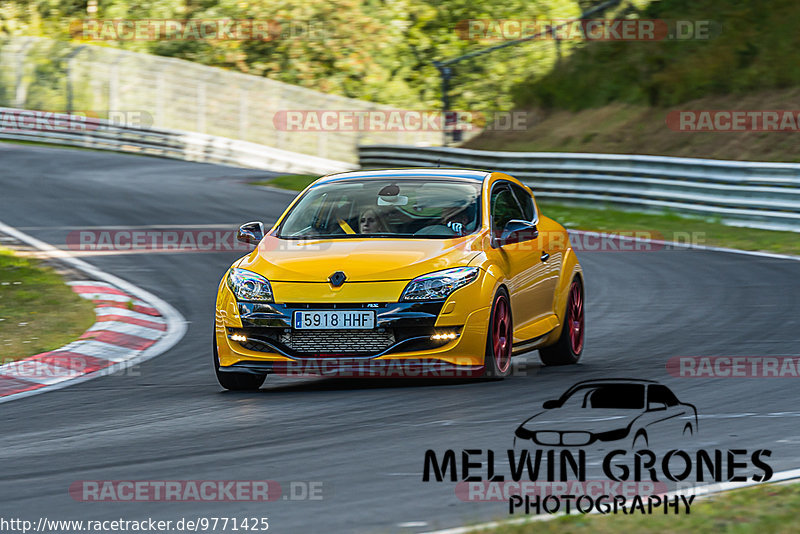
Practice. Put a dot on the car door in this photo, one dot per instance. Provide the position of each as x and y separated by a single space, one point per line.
548 254
521 260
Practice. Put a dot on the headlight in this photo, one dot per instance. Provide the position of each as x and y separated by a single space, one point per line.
247 285
439 285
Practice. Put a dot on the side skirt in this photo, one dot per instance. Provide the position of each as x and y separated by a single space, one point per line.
530 344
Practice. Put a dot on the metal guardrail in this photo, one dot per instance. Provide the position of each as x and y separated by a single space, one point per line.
88 132
759 195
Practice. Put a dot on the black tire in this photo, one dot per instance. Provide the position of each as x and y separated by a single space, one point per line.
563 352
492 368
236 381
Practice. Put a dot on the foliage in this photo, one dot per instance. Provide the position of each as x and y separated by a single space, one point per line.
379 50
751 47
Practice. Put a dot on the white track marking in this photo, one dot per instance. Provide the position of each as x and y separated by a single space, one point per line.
126 328
112 297
37 372
106 311
689 245
98 349
698 491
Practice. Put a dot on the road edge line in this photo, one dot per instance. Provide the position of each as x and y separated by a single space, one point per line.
700 492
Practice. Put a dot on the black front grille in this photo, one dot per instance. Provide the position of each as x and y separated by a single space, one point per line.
299 342
338 341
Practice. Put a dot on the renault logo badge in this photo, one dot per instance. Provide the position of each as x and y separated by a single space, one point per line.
337 279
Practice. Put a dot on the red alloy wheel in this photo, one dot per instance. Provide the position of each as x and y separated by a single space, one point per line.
501 334
575 318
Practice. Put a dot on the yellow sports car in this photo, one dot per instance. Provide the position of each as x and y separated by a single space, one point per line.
404 272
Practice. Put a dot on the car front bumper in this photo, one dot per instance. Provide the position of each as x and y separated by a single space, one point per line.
259 338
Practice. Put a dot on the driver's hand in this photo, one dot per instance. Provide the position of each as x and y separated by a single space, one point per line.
457 227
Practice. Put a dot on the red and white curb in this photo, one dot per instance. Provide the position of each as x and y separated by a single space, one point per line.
132 326
122 332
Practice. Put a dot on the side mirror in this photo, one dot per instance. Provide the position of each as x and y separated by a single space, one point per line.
656 406
517 231
549 405
251 232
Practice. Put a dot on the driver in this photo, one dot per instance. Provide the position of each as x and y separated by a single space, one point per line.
371 222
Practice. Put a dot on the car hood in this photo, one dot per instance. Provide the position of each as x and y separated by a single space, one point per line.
581 419
362 260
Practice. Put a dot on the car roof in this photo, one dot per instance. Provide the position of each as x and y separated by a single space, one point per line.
414 172
601 381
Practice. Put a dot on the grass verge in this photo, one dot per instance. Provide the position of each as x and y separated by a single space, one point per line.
294 182
673 227
766 508
38 312
618 128
47 145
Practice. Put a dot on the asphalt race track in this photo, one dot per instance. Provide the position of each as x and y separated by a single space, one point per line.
364 440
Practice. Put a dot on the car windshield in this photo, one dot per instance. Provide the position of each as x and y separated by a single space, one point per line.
610 396
408 207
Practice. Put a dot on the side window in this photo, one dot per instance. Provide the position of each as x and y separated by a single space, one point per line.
661 394
504 207
525 200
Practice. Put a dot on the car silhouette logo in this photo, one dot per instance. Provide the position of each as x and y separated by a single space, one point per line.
616 409
337 279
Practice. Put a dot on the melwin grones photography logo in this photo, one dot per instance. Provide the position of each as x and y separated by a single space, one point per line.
627 427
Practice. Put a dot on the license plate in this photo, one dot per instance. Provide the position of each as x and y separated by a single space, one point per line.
334 319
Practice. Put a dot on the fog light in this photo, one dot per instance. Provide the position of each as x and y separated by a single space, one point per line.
444 336
239 337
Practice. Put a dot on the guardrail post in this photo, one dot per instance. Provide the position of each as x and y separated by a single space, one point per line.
201 108
558 44
446 73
